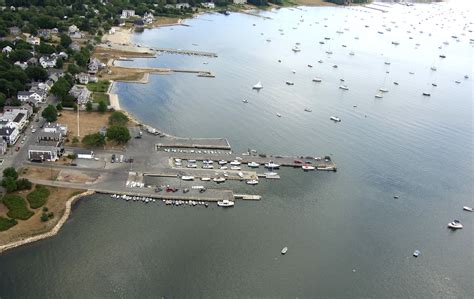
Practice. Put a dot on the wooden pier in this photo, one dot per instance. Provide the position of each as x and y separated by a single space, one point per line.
193 143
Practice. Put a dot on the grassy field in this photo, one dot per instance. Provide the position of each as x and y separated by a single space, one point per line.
100 86
38 197
17 208
89 122
6 223
100 96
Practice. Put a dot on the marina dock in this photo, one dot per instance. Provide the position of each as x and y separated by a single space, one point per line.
185 52
193 143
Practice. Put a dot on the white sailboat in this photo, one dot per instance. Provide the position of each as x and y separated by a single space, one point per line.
258 86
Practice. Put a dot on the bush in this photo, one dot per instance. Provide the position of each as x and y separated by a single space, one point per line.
94 140
16 207
44 209
23 184
44 217
6 223
38 197
50 113
102 106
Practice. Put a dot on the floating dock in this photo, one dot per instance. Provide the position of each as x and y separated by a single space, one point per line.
185 52
193 143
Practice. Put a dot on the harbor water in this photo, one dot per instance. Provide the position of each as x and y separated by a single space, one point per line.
347 236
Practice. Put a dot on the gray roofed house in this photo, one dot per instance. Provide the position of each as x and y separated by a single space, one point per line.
81 93
14 30
49 136
44 152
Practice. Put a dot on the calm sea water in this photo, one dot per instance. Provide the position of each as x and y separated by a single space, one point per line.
347 235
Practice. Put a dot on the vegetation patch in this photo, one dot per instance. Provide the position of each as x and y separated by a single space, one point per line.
100 86
99 96
17 208
6 223
38 197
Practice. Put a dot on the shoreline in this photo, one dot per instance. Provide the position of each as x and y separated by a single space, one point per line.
54 231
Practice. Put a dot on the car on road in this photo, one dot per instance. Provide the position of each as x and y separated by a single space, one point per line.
113 158
17 148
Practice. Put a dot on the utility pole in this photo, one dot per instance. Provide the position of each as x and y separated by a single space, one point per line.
78 134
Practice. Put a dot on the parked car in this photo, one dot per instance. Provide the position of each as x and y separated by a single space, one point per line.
113 158
17 148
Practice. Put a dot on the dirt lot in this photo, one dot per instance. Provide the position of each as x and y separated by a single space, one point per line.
89 122
39 173
34 226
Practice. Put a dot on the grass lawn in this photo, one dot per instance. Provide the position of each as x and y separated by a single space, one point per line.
100 86
98 96
6 223
17 207
38 197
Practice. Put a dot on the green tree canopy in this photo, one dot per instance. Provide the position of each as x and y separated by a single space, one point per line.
102 106
9 184
94 140
10 172
36 73
61 88
118 118
50 113
65 40
118 133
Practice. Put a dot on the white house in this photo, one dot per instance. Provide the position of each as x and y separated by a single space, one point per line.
22 65
54 128
126 13
3 147
26 109
19 119
33 97
148 18
81 93
72 29
9 132
44 153
33 40
47 62
7 49
182 5
208 5
83 78
76 35
239 1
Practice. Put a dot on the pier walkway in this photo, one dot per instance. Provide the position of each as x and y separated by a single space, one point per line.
202 143
185 52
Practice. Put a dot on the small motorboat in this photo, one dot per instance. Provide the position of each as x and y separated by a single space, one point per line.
416 253
383 89
469 209
442 56
187 178
307 167
219 180
205 179
343 87
289 83
191 166
271 165
252 182
278 114
222 162
427 94
351 53
225 203
335 118
310 65
395 83
455 224
433 68
434 84
235 168
379 96
466 77
258 86
284 250
245 101
335 66
317 80
387 63
235 163
320 61
329 52
307 110
296 49
457 82
253 164
223 167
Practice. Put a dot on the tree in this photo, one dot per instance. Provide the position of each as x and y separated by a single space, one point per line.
3 99
21 55
61 88
94 140
59 63
65 40
73 69
36 73
45 48
75 107
102 106
9 184
10 172
50 113
118 118
59 107
118 133
89 106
